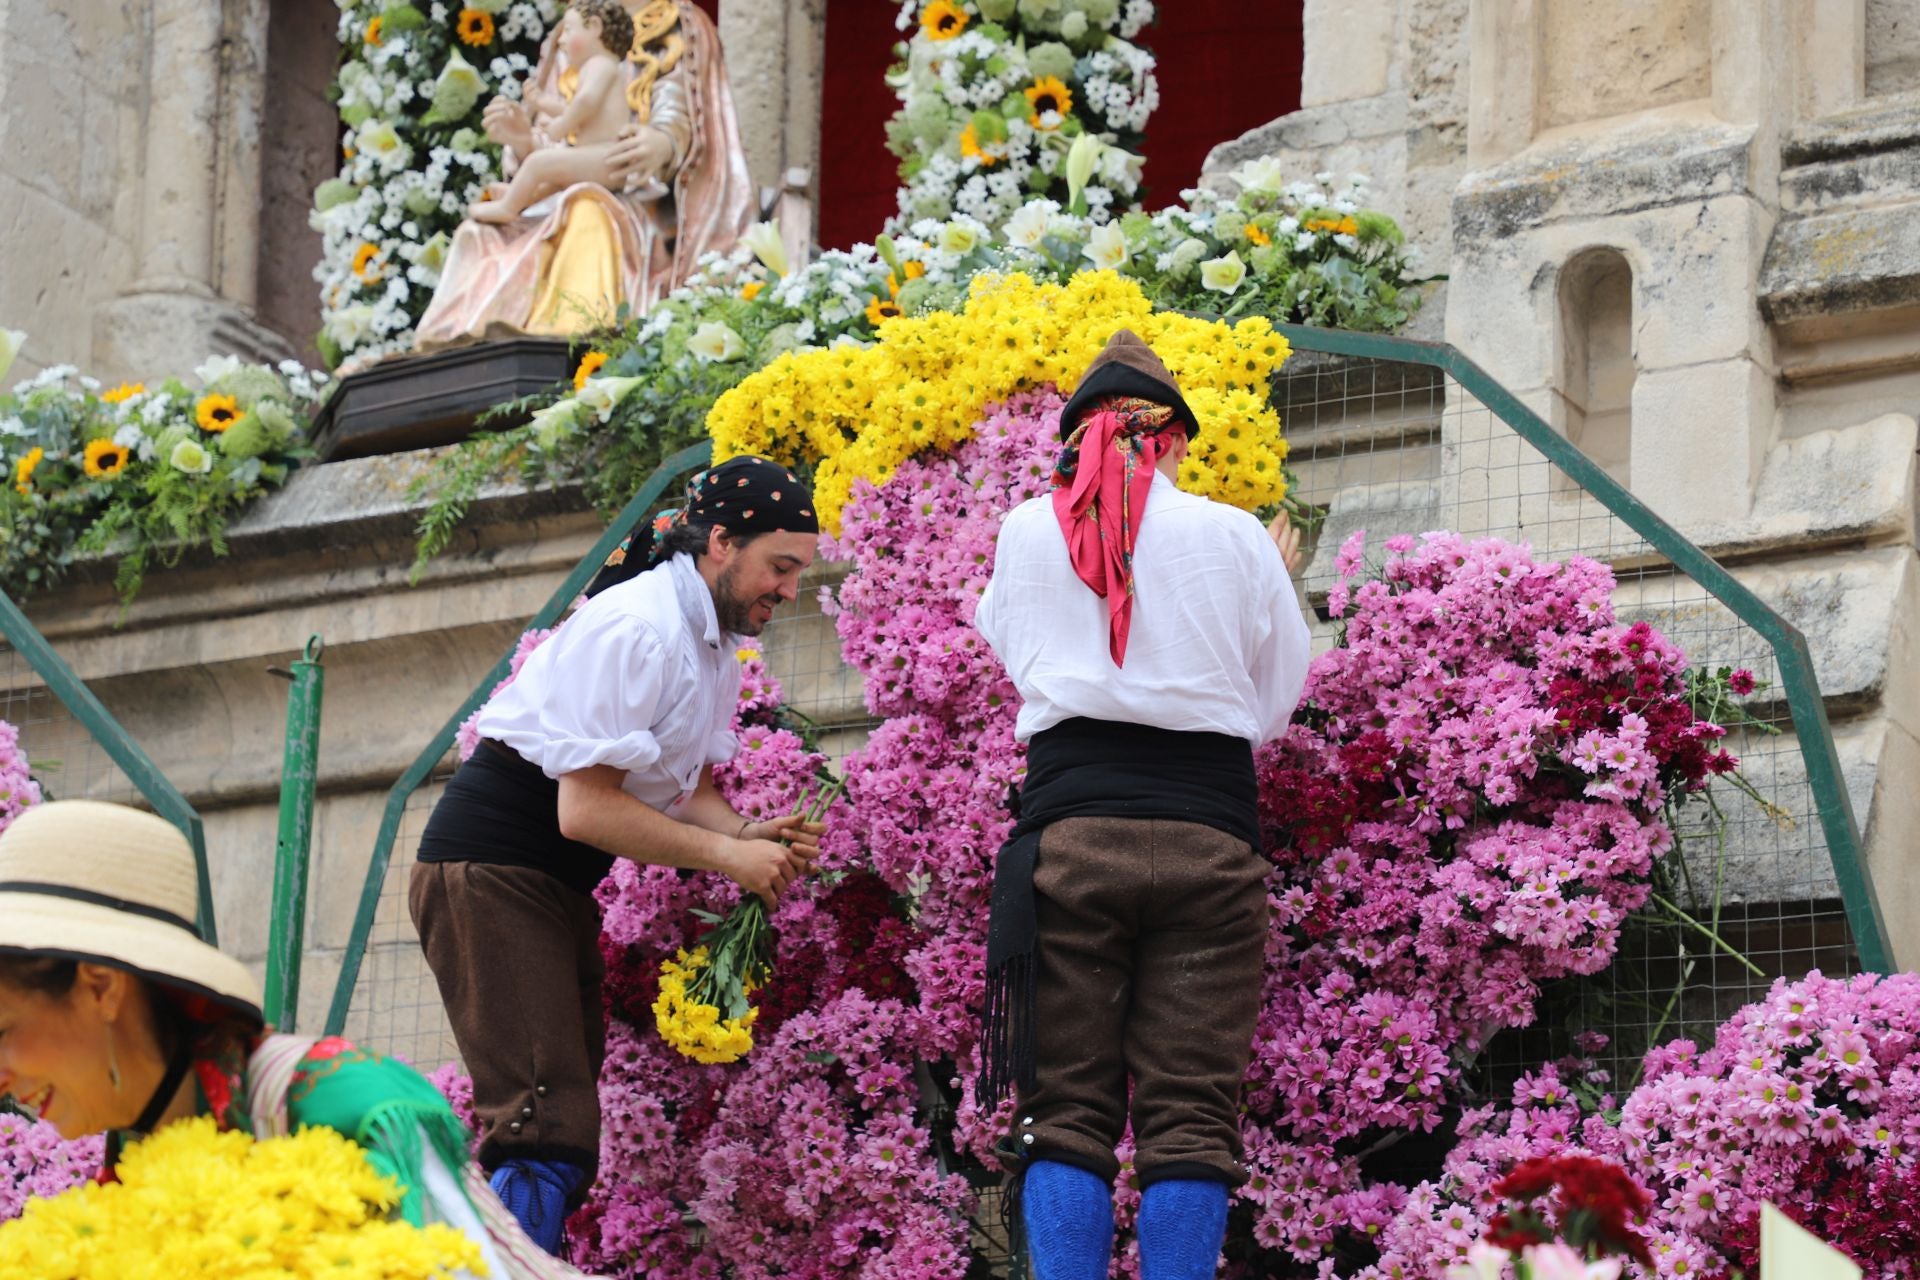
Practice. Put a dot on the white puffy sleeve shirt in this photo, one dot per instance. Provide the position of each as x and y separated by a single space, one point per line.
1218 643
641 678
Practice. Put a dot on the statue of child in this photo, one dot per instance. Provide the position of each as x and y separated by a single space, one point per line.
594 36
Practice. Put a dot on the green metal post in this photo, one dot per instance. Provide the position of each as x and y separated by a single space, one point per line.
299 767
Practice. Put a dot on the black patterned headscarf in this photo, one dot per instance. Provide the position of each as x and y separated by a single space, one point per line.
745 494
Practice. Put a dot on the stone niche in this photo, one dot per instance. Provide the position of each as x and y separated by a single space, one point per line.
1624 56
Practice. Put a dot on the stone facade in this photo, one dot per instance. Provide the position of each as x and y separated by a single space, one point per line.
1744 181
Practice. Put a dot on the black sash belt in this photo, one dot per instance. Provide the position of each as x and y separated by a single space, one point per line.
1092 769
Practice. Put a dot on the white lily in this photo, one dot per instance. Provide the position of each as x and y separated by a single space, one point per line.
603 395
1082 156
1028 227
716 341
1263 174
458 87
554 421
960 235
764 239
11 340
1107 247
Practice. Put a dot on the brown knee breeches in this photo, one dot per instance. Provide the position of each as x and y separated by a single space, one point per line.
517 958
1152 936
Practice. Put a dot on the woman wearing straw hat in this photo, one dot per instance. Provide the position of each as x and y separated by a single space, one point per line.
116 1019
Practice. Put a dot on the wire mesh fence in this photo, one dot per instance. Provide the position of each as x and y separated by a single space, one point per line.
1396 447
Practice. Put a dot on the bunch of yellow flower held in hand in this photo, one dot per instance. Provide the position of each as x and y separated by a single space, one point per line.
705 1008
194 1202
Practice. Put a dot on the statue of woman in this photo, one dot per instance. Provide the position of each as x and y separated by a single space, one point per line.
676 187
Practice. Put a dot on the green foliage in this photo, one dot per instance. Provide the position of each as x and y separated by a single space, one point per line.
90 475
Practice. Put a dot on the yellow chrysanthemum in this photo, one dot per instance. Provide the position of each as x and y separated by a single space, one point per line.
590 364
125 391
970 146
475 27
751 289
23 469
104 458
697 1030
216 412
858 413
366 262
192 1201
1048 93
1257 235
943 20
372 35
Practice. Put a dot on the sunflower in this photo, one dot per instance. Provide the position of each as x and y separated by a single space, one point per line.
104 458
125 391
23 469
475 27
943 20
1046 94
589 365
1258 236
364 265
373 30
878 310
970 146
751 289
216 412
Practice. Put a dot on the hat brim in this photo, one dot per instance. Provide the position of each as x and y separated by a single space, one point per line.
68 930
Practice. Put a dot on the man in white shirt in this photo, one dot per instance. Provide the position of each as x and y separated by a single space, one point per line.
603 747
1155 641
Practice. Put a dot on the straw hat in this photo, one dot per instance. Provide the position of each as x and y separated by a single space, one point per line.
82 880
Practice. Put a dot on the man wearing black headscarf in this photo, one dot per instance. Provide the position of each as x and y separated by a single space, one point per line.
603 747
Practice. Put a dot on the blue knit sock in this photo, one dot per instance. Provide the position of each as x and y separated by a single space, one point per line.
536 1192
1069 1217
1181 1226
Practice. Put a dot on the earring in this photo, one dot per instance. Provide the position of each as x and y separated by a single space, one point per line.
113 1062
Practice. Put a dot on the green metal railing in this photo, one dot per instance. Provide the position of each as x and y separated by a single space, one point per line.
79 703
299 770
687 460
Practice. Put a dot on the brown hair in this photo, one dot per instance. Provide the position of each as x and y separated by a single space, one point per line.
207 1028
616 24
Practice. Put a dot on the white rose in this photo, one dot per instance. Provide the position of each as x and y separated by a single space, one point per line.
1223 275
716 341
191 457
1107 247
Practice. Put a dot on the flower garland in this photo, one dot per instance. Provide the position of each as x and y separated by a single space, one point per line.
411 86
1000 100
192 1201
858 413
642 393
141 472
